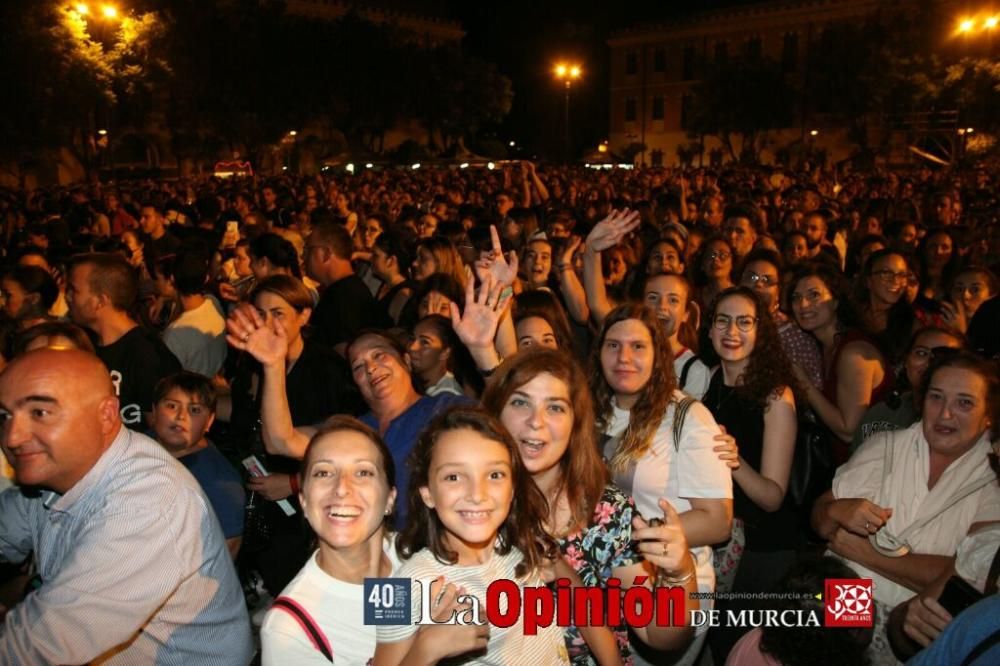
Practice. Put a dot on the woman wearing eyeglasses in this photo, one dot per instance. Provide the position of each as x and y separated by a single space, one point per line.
762 273
887 314
901 505
714 270
855 373
751 398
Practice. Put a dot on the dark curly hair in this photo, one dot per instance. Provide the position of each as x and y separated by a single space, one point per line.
847 311
649 410
819 645
524 527
769 370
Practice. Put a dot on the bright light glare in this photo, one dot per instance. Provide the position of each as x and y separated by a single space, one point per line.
292 133
991 22
969 130
109 11
82 9
350 167
102 132
369 165
813 132
491 166
416 166
574 72
463 165
560 70
966 25
511 144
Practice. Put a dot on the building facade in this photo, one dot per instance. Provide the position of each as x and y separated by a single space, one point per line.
655 68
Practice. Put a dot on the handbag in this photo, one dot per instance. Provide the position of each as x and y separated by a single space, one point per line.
812 469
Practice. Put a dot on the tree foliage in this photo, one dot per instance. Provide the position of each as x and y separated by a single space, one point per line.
741 99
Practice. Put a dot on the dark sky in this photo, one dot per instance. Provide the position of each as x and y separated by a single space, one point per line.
525 38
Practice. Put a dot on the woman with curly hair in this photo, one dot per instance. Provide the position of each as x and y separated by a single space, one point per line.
660 441
855 373
750 396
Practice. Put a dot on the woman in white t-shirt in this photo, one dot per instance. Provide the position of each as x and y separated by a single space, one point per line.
347 494
637 402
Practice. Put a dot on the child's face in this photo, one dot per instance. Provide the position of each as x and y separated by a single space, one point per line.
180 420
470 487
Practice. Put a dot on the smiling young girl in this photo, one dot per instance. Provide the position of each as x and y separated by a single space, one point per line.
477 517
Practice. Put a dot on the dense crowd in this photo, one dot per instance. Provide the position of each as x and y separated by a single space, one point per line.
738 381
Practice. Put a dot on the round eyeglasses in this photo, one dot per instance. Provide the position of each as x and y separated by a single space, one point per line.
744 323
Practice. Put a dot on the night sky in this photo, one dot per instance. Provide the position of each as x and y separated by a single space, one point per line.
526 38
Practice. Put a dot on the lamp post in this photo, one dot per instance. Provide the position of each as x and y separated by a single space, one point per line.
567 73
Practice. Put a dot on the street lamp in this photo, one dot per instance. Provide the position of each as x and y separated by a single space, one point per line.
82 9
567 73
109 11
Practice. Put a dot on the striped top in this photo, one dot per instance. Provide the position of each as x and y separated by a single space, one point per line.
134 568
506 646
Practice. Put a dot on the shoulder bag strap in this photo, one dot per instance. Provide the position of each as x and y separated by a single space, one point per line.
305 620
991 577
685 368
680 411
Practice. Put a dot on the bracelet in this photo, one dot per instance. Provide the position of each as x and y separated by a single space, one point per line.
293 481
662 580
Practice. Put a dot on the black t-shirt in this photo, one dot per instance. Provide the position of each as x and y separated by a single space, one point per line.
983 329
137 361
320 385
166 245
345 307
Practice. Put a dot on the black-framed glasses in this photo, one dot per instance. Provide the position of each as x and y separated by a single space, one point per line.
744 323
756 278
721 256
891 277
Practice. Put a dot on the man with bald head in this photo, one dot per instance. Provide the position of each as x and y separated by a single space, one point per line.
132 560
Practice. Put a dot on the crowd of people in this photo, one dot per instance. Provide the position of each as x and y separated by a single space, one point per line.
732 381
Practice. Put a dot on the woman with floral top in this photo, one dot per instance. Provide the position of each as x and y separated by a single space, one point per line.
537 396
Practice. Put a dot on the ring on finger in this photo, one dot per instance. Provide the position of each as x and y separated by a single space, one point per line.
246 336
666 548
868 526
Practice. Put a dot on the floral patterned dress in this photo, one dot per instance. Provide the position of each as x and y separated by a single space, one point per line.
594 552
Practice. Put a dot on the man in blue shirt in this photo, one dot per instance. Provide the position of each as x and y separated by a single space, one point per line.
182 414
133 564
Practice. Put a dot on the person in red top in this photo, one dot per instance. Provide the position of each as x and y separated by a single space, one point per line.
855 373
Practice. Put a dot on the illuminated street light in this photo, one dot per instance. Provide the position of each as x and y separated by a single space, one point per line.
567 73
813 132
102 132
991 22
969 130
82 9
512 144
292 133
966 25
109 11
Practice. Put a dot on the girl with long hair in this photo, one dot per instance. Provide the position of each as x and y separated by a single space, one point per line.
535 396
660 442
475 516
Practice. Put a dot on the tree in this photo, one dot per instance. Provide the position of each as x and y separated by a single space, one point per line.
741 98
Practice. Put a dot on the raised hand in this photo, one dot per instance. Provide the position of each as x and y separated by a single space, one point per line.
662 542
611 230
247 331
572 245
502 270
477 325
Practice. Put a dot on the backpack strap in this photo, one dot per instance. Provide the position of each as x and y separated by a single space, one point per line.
680 411
982 648
991 577
684 370
308 624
